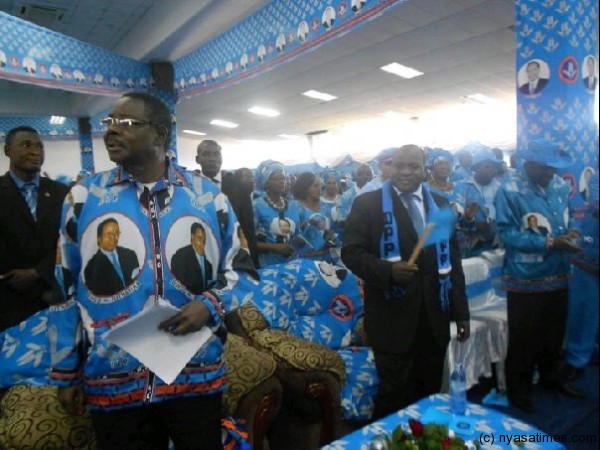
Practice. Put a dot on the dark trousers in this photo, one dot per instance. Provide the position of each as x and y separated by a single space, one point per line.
407 377
536 329
192 423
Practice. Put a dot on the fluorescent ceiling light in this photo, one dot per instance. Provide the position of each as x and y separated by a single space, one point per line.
264 111
57 120
480 98
289 136
223 123
319 95
196 133
401 71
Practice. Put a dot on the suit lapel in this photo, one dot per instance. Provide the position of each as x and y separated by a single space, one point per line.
44 200
13 199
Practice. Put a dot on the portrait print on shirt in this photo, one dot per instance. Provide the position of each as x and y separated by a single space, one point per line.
532 78
588 75
192 252
536 223
584 182
113 260
333 275
283 228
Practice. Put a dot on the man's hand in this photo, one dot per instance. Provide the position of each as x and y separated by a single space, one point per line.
402 272
284 249
463 330
72 398
20 279
565 242
470 210
193 316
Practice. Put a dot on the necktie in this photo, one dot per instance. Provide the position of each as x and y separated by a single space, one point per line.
202 271
413 212
117 266
531 88
29 191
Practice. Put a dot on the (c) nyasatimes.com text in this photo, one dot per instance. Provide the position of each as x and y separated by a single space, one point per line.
538 438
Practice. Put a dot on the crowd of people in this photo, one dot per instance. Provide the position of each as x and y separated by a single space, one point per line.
150 229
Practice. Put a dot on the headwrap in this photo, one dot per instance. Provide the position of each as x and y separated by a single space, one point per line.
330 173
390 244
436 154
483 153
264 170
546 153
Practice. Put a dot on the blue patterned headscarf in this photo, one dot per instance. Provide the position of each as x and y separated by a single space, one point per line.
435 154
331 173
264 170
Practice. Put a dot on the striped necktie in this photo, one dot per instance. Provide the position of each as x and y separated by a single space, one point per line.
413 212
29 192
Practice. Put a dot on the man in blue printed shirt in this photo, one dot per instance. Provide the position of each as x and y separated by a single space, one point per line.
536 269
155 203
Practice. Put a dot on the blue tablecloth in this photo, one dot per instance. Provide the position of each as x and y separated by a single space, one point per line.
488 424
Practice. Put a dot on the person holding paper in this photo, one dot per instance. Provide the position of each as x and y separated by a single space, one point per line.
408 306
156 202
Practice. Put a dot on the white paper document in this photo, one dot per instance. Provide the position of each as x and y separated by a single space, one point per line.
163 353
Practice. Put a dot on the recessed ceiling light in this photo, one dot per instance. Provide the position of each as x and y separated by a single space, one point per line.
264 111
289 136
401 71
57 120
196 133
223 123
319 95
480 98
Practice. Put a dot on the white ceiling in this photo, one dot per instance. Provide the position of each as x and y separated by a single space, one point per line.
462 46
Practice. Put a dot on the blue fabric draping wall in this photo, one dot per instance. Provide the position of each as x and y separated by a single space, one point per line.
558 40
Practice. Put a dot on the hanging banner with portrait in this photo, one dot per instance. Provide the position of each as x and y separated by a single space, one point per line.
557 80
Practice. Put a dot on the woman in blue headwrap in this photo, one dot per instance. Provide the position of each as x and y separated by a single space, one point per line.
276 219
440 163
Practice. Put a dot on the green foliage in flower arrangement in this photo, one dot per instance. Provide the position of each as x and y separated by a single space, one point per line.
425 437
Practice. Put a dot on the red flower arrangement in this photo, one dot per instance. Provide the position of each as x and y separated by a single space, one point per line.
425 437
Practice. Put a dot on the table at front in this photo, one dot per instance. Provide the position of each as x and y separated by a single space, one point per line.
489 422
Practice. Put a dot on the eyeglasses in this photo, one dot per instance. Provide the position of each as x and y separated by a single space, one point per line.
124 123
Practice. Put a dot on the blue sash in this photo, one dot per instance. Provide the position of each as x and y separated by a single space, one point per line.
390 244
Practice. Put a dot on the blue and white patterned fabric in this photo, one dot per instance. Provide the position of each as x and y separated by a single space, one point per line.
487 421
32 54
154 226
275 226
358 394
471 241
25 352
528 265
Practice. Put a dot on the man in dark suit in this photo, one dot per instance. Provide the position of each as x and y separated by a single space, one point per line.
189 264
406 321
535 84
29 223
112 268
591 80
208 156
532 226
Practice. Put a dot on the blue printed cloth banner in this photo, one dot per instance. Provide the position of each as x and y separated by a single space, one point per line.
35 55
358 394
277 33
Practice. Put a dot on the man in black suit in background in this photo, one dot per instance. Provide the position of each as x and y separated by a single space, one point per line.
406 322
112 268
189 264
29 223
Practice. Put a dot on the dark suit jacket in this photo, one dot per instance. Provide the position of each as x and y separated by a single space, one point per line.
590 82
27 243
541 83
102 279
241 202
185 267
391 324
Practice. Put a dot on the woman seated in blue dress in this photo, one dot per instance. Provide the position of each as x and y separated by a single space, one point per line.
276 219
315 224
